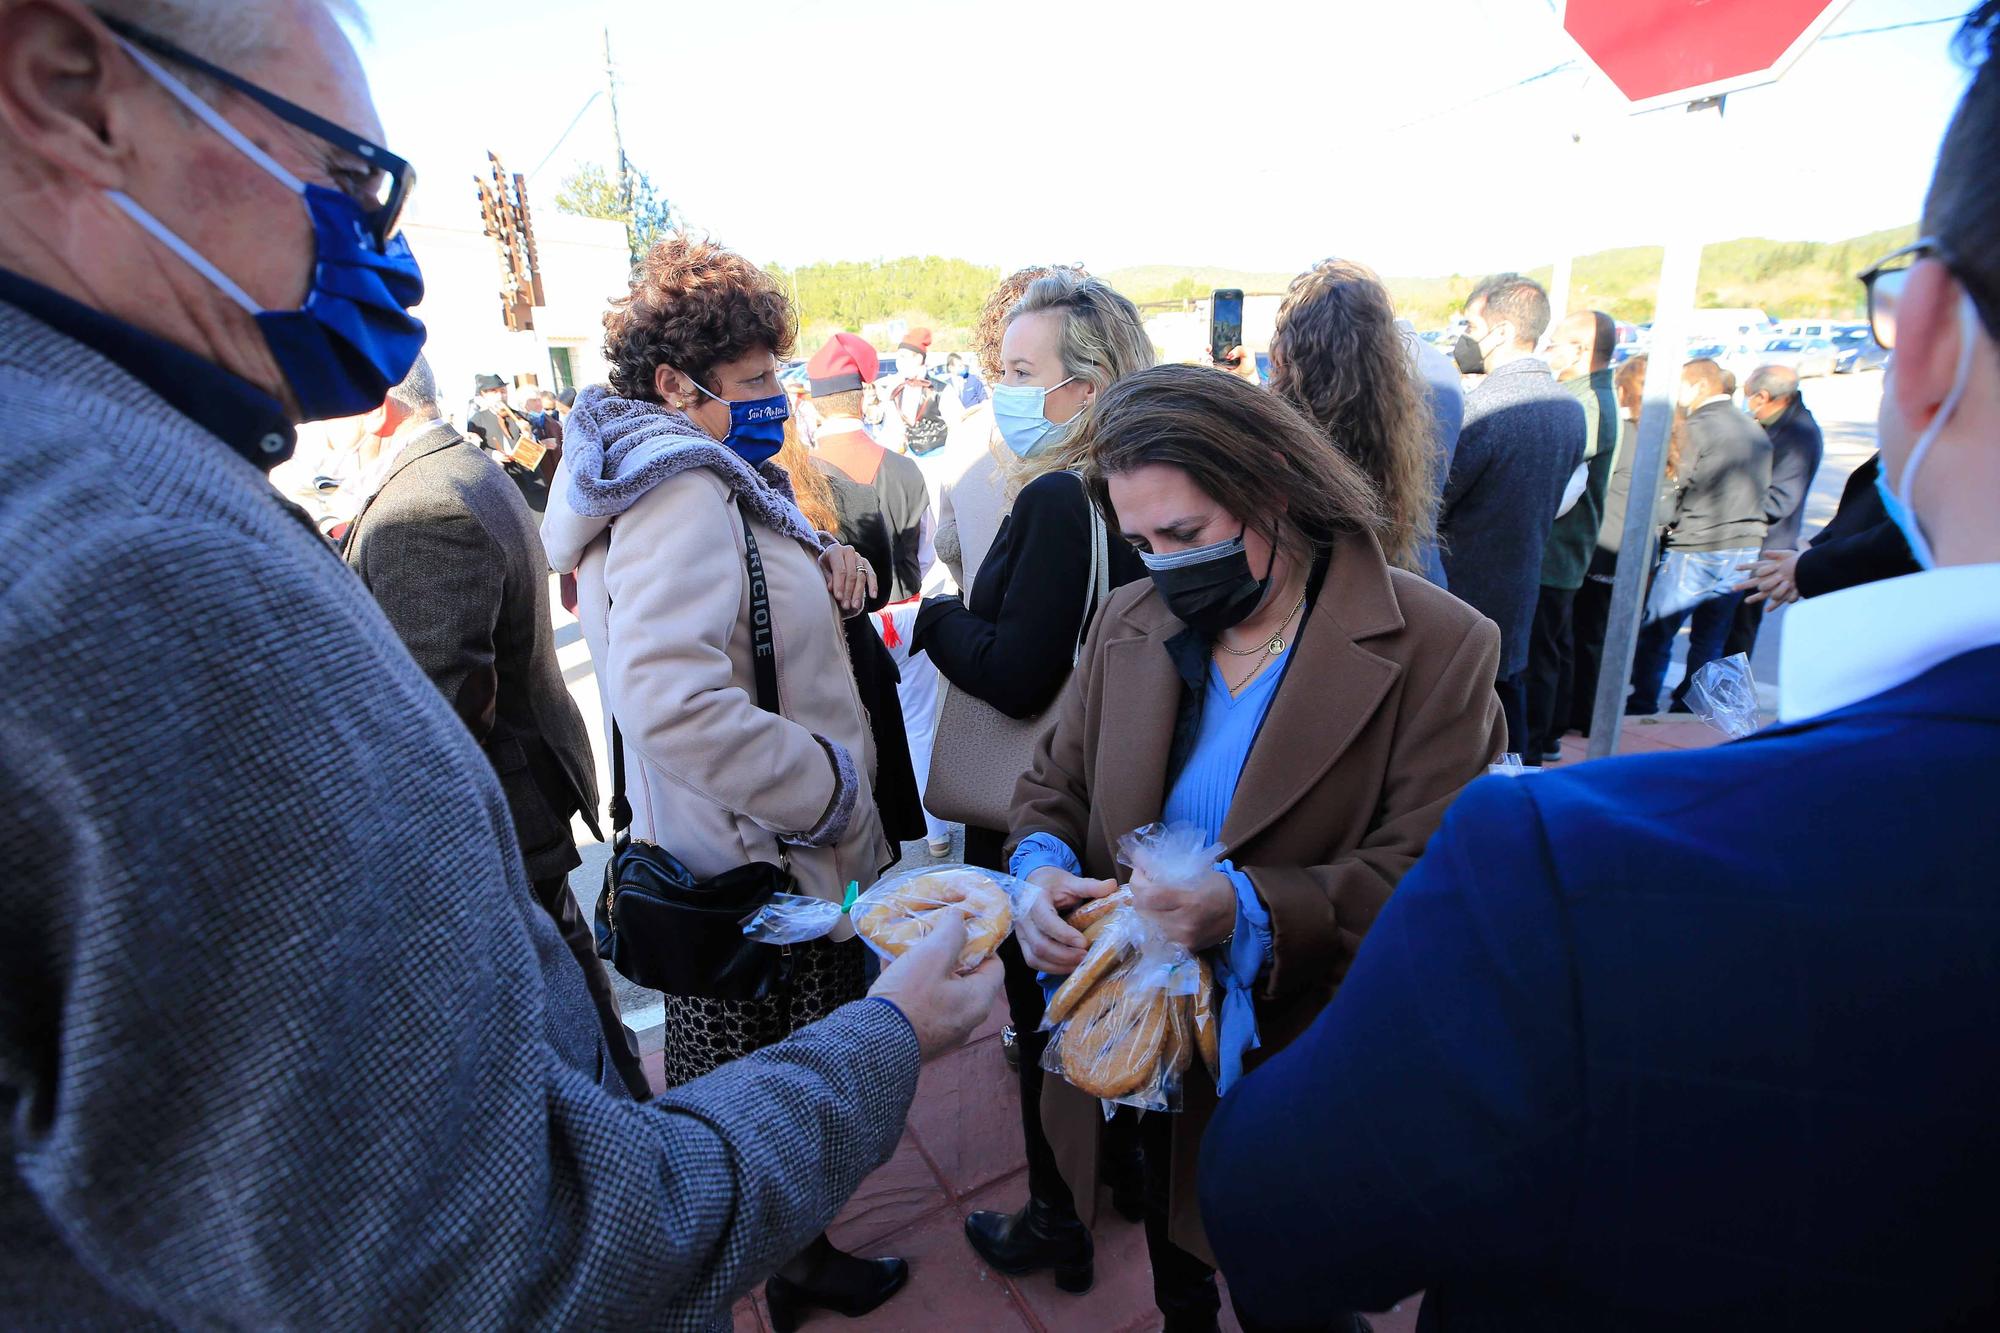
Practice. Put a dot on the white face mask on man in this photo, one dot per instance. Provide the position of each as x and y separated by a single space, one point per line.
1899 499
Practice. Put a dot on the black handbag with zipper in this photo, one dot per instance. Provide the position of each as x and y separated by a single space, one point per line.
662 928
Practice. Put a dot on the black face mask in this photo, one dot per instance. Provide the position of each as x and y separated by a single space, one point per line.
1471 361
1210 588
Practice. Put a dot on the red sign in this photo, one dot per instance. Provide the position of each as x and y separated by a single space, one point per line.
1665 52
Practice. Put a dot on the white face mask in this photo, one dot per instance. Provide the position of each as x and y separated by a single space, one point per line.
1900 498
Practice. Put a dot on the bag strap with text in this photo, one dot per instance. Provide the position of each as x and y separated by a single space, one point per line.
763 663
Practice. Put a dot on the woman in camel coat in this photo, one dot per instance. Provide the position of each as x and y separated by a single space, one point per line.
1275 683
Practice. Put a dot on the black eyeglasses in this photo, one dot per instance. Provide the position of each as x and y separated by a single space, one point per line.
382 189
1885 279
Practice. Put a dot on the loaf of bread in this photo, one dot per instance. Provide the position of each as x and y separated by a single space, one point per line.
893 916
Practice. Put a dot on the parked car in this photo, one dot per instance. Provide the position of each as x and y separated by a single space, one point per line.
1855 348
1804 356
1632 340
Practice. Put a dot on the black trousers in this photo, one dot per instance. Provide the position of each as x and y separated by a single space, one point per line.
1590 615
1513 692
1025 1005
556 899
1551 673
1743 630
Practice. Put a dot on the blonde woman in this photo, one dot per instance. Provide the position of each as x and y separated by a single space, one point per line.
971 470
1013 645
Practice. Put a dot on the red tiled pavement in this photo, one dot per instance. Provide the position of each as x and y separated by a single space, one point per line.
963 1152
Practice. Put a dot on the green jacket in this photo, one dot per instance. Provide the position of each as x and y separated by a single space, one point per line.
1566 558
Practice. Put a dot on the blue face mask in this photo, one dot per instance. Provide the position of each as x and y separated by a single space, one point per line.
354 338
756 428
1897 499
1020 411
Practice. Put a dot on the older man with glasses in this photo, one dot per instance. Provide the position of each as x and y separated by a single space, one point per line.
1700 1040
285 1040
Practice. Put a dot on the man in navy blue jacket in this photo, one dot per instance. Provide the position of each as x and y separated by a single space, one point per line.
1702 1040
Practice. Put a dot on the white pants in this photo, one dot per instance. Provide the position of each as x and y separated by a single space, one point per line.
919 696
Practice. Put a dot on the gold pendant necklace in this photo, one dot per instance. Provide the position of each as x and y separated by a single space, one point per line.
1268 650
1271 646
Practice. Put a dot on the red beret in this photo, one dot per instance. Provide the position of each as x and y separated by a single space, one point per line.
846 363
917 340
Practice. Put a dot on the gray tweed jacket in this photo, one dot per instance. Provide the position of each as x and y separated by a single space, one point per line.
454 556
285 1041
1524 435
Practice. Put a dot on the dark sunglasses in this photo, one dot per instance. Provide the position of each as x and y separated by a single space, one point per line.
1885 279
389 179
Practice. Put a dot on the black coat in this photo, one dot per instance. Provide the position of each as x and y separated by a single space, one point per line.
1796 449
1859 546
1015 645
1524 435
453 556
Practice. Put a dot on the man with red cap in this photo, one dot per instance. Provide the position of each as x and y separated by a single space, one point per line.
885 513
916 418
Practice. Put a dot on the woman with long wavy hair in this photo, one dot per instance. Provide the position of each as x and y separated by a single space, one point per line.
1339 358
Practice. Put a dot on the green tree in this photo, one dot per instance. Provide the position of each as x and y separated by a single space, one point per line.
593 192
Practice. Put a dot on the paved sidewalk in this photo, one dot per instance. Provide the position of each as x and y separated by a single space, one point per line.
962 1151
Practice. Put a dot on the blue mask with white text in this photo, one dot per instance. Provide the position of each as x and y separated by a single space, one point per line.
756 427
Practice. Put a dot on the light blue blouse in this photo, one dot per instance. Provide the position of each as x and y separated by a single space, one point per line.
1201 796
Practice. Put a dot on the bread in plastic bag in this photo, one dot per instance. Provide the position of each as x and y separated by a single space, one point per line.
905 907
1129 1038
1724 695
1137 1010
791 918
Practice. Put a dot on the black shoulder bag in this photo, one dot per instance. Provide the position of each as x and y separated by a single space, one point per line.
660 926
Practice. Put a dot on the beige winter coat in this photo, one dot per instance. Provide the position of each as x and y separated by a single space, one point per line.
710 776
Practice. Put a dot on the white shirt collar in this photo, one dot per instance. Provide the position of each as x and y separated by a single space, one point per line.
1854 644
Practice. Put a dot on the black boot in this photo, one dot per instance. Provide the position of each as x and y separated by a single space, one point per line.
823 1278
1033 1239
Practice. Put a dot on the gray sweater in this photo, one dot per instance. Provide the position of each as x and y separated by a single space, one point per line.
285 1041
1726 474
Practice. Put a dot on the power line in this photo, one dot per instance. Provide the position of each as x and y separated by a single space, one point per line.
1894 27
589 102
1485 97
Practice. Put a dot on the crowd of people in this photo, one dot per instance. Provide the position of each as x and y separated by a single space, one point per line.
304 1026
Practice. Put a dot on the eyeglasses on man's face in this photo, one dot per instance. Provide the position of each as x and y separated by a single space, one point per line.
371 175
1886 279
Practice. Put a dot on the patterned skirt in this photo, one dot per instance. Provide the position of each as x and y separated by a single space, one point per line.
702 1034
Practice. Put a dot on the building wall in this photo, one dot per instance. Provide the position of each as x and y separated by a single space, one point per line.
583 264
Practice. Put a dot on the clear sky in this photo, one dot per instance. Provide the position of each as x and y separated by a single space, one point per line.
1259 136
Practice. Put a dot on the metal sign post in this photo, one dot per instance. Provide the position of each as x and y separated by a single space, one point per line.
1673 314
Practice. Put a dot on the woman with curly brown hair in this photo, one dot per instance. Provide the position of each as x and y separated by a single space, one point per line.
674 514
1339 358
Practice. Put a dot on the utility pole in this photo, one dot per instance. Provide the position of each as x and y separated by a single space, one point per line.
617 131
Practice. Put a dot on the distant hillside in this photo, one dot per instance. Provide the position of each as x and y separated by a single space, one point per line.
1787 279
1166 282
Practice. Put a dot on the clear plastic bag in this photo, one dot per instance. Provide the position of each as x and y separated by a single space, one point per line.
1128 1036
1510 766
1133 1016
791 918
1724 695
905 907
1169 853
